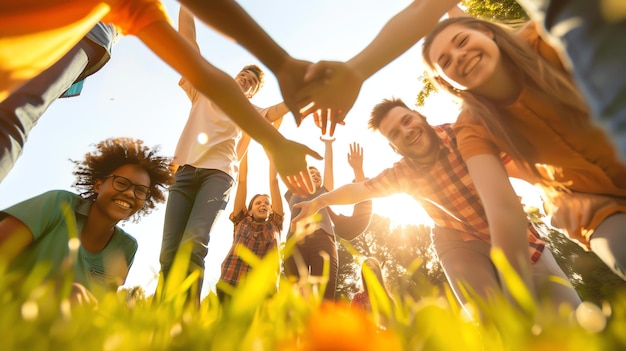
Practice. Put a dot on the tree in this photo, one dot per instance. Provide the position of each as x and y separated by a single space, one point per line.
405 253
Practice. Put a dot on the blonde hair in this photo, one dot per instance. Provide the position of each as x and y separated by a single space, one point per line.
532 70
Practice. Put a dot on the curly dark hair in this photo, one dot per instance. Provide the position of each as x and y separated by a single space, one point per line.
113 153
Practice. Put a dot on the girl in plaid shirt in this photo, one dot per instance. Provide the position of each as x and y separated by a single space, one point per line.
257 227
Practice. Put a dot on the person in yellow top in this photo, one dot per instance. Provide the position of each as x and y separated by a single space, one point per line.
517 98
36 33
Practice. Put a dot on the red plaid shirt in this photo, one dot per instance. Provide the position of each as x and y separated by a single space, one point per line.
446 192
259 237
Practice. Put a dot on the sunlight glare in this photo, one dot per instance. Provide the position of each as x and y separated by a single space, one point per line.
402 210
203 138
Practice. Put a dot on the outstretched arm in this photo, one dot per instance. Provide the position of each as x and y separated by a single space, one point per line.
277 111
508 224
337 84
187 26
329 176
289 156
345 195
277 199
227 17
242 186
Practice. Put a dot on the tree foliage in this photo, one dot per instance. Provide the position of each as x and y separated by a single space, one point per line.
409 263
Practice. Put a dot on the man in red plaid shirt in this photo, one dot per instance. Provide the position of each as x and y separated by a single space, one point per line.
432 171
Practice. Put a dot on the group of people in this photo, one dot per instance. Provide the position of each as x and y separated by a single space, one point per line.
531 99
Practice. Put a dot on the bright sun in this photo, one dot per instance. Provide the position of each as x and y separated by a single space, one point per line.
401 209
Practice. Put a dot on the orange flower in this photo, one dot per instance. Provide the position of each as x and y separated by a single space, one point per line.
335 326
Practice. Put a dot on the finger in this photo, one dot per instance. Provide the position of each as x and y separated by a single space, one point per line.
324 117
333 124
314 154
317 120
308 108
306 180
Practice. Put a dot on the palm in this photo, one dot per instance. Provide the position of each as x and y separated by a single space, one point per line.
290 160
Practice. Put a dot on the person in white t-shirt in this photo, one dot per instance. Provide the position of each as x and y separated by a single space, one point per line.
206 159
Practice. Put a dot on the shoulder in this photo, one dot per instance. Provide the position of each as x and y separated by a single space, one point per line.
125 240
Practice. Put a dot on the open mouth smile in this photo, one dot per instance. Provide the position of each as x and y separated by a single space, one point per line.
469 66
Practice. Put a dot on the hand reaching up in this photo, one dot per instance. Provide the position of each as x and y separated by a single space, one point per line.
289 158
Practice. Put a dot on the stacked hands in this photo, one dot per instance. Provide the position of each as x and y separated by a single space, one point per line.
327 90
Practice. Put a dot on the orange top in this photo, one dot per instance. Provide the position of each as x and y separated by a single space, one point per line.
584 155
36 33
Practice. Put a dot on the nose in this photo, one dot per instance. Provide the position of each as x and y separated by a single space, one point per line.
458 55
408 133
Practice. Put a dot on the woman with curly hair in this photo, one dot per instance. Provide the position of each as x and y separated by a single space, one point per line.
77 234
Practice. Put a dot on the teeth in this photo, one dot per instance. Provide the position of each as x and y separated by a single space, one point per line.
471 64
122 203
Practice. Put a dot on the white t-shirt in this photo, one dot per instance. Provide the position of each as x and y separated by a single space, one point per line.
210 137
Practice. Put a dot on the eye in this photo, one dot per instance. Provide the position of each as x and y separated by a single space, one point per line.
444 61
462 42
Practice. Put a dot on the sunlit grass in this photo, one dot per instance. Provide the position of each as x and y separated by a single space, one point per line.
37 315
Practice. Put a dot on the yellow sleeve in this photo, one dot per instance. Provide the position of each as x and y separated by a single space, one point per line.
131 16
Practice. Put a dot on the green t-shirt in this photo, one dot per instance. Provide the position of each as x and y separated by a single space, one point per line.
56 216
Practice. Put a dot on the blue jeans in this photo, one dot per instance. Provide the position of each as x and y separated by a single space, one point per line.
21 110
596 49
194 203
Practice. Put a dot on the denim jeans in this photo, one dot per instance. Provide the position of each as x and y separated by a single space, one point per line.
21 110
194 203
596 49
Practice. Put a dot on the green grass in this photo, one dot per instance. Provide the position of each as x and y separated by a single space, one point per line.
36 315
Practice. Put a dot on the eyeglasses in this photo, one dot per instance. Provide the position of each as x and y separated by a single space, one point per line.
121 184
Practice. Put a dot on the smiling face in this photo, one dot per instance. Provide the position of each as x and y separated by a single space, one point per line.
261 207
118 205
466 58
316 176
410 135
248 82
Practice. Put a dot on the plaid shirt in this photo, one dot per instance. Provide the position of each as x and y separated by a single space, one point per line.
446 192
259 237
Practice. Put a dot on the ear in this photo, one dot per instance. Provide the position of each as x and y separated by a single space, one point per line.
97 185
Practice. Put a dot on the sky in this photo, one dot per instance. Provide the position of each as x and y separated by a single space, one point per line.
137 95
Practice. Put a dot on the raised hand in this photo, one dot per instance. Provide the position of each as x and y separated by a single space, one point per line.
355 156
331 92
290 160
